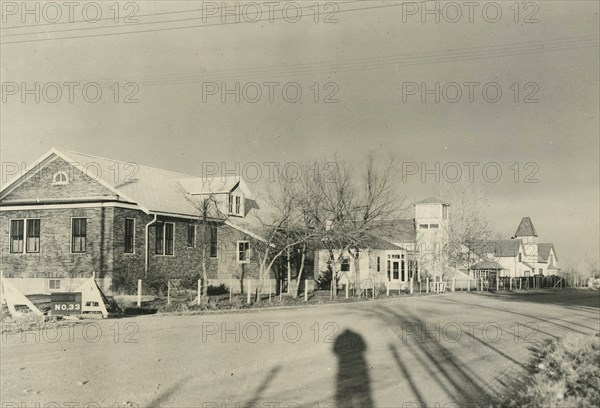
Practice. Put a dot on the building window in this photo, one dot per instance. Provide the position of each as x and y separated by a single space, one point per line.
243 252
78 235
16 236
33 236
129 235
60 178
423 226
230 204
541 271
378 264
160 238
213 240
168 238
520 257
238 201
444 212
191 236
54 284
345 264
433 226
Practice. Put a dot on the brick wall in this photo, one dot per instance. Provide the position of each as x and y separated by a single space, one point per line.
55 259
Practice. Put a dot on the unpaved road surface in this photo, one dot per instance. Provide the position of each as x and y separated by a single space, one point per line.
461 347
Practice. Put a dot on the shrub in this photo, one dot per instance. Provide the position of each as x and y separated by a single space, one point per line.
565 373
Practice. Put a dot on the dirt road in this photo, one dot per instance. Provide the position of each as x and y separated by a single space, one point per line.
453 348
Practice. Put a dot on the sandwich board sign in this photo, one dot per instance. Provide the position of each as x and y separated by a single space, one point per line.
66 303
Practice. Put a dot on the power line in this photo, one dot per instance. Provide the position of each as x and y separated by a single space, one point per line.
181 27
144 23
367 63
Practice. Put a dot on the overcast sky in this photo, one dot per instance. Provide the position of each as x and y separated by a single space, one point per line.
373 61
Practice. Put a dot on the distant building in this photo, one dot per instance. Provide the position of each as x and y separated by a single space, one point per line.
520 256
73 214
397 251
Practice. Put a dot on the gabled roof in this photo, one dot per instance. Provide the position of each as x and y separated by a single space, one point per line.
400 231
432 200
499 248
153 190
214 185
526 228
492 265
544 252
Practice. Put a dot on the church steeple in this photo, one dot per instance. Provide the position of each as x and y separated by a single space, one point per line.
526 228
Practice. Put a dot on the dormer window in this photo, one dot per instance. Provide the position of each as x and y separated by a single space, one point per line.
236 204
60 178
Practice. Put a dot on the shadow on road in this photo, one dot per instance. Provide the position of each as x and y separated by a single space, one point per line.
263 386
427 364
353 387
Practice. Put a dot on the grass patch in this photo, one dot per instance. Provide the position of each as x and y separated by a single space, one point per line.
564 373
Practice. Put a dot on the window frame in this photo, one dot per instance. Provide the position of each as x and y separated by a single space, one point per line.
79 236
434 226
159 230
246 252
22 247
132 237
50 281
423 226
345 262
172 240
61 182
191 244
39 236
378 264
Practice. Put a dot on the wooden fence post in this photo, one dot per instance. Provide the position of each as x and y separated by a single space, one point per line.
346 290
497 283
427 285
305 290
468 283
168 292
411 287
453 284
199 291
248 290
139 293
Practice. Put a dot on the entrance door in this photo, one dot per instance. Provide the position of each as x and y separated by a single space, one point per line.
395 271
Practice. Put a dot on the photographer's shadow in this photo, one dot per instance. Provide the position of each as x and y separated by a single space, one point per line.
353 389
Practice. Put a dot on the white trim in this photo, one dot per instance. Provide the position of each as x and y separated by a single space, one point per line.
10 235
67 206
8 188
125 242
28 174
25 222
245 231
60 183
164 243
237 251
99 180
71 236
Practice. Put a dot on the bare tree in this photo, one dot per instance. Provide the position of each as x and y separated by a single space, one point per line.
210 214
468 224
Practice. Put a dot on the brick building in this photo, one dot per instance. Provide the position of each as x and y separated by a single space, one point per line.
73 214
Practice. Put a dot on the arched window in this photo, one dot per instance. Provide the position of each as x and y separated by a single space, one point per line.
60 178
